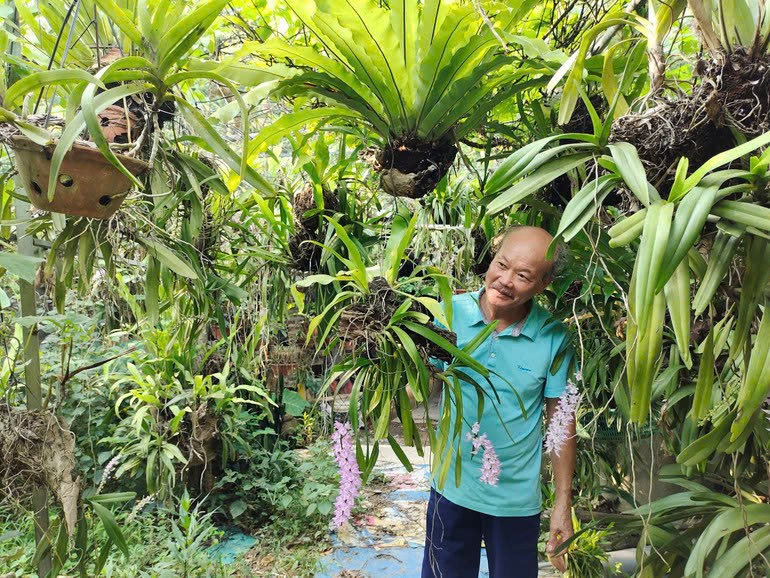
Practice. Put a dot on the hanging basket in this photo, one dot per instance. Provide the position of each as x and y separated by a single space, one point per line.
88 185
286 360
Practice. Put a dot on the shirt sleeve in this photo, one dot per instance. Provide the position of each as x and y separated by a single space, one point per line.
562 362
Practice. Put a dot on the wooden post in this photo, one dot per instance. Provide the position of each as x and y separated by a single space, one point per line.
25 246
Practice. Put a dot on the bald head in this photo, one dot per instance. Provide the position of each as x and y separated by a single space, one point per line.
527 234
534 242
518 272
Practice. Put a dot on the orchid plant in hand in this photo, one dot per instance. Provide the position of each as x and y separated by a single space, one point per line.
390 325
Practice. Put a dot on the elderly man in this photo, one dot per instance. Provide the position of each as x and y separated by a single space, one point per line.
505 514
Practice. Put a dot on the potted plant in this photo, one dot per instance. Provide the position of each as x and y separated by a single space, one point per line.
88 185
159 45
165 61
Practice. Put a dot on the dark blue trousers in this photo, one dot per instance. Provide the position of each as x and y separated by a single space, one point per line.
453 537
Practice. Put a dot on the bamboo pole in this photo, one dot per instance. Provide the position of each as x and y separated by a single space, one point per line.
31 340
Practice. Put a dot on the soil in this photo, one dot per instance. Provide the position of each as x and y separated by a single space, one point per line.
362 323
412 168
733 93
38 448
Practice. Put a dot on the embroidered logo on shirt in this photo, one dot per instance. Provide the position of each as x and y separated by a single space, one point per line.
524 368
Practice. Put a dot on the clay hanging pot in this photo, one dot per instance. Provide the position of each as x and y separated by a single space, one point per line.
88 185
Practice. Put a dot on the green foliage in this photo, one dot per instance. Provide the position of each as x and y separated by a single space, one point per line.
420 72
160 543
167 407
732 521
586 553
400 344
284 494
666 290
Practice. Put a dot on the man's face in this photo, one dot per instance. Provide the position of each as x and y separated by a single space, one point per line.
519 270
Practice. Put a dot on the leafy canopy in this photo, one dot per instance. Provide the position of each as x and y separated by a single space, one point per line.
410 71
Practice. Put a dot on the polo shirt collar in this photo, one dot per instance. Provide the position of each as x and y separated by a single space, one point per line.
535 320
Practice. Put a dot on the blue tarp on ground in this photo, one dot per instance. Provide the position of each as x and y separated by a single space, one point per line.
403 562
232 546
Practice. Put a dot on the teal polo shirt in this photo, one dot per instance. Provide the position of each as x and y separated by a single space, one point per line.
525 361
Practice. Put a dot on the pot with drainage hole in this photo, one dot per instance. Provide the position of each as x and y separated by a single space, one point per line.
88 185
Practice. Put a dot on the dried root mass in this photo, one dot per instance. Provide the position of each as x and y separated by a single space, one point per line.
733 95
306 255
37 448
412 168
304 202
363 323
482 252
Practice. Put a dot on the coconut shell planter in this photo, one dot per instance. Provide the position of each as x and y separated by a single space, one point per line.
88 185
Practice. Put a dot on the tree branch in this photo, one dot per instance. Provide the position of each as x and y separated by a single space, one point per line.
70 374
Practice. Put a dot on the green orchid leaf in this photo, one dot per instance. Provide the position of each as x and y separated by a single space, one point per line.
533 182
23 266
180 38
122 19
203 128
45 78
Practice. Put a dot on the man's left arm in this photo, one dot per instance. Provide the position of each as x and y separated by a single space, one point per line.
563 465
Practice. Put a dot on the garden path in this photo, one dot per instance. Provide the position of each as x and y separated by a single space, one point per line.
386 540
